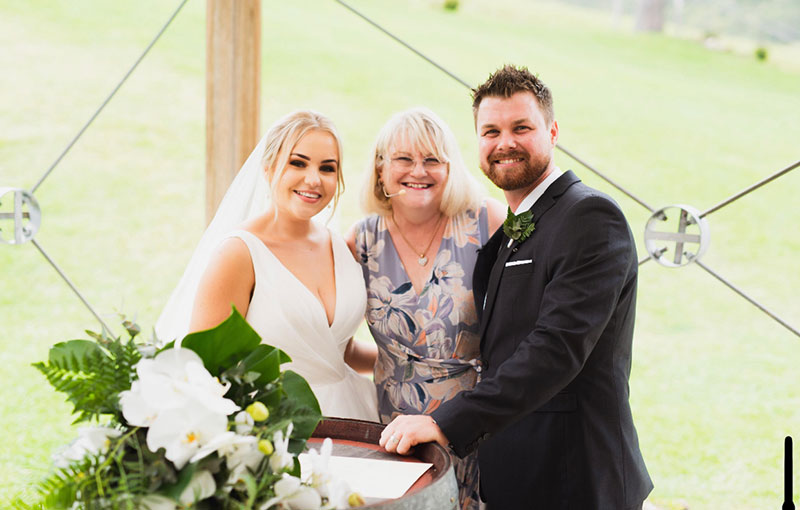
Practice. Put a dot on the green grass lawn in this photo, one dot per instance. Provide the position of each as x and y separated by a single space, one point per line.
714 383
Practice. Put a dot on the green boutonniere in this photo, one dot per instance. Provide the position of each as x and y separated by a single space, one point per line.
518 227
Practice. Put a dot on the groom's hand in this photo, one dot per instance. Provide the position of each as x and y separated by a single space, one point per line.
406 431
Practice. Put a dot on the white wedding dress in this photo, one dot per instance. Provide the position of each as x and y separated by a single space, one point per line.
288 316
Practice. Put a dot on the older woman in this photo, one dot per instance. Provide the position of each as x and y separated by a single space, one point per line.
418 250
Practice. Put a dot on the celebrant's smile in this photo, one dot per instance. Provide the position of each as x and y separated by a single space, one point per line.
416 185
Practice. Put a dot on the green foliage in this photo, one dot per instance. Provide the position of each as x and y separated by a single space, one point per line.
255 374
520 226
91 374
298 391
761 53
451 5
264 360
225 345
173 490
301 406
113 481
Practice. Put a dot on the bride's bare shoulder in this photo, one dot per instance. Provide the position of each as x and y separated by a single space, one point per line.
229 258
228 279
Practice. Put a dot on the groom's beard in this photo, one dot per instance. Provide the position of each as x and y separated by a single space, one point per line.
522 175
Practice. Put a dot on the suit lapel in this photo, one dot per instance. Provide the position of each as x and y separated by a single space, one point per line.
483 268
551 196
494 282
539 208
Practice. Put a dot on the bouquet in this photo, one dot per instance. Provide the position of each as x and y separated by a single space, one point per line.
210 423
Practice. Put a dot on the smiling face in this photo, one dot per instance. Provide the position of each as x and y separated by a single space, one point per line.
309 180
515 142
417 172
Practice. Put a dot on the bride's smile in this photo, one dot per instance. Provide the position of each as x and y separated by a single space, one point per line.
291 277
308 182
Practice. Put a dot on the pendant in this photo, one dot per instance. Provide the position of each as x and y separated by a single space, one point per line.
422 260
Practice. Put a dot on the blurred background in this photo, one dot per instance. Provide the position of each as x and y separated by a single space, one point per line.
685 101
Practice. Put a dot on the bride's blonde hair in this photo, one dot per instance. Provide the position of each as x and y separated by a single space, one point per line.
284 135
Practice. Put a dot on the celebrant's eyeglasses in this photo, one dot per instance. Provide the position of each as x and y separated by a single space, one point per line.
406 163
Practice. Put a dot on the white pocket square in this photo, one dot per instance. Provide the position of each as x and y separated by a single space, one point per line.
519 262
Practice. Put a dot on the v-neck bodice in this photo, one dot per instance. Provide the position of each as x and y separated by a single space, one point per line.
292 278
289 316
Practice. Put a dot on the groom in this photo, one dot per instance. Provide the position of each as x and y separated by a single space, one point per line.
550 417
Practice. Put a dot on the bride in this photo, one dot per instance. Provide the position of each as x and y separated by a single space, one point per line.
293 279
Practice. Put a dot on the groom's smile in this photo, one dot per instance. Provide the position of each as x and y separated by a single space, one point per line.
504 161
515 141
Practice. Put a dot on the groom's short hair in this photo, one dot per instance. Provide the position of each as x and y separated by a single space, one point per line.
509 80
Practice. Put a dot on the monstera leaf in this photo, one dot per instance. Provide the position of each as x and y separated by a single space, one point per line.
225 345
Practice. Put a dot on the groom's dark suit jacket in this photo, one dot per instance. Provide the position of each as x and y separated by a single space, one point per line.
551 416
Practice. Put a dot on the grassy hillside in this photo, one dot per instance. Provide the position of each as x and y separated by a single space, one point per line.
714 385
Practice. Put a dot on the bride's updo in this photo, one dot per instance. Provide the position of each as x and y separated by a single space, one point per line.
284 135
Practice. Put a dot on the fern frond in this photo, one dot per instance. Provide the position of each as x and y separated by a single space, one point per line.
92 377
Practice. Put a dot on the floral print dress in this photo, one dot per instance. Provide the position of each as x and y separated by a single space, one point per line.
428 344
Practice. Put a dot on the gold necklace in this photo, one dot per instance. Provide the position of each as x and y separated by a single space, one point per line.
422 259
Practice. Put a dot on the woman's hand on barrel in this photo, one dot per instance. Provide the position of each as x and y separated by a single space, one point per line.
406 431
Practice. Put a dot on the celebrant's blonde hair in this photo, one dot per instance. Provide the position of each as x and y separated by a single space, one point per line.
423 130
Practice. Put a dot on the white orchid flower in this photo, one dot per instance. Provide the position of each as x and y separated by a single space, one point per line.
291 494
135 408
281 458
244 422
220 443
339 492
156 502
171 380
158 377
181 403
90 441
245 457
205 389
200 487
241 453
321 477
182 432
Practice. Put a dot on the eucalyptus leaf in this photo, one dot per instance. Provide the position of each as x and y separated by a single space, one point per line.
131 327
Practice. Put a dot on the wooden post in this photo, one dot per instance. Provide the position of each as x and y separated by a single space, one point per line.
233 83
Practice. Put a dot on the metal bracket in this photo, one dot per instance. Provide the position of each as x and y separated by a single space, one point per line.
681 247
24 215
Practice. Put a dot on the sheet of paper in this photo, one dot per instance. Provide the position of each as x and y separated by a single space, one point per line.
380 479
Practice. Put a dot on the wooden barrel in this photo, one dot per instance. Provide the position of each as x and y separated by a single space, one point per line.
435 490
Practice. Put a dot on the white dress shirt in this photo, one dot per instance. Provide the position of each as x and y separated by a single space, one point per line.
538 191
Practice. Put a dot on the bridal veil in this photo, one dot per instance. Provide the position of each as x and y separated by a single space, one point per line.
247 196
